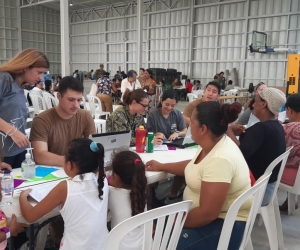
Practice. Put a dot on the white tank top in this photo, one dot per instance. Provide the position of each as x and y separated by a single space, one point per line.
84 214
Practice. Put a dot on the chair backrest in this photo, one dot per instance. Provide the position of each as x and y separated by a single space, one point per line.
158 94
95 104
38 102
281 158
297 181
191 97
84 102
170 220
257 192
50 100
26 92
93 90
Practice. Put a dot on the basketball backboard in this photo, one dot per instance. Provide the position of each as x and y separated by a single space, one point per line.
259 40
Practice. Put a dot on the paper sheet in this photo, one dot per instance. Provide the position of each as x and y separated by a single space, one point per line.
41 191
160 148
43 171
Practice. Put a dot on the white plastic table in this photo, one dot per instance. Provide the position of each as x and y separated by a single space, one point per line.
152 177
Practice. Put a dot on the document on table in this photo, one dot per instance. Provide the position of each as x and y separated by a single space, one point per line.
41 191
160 148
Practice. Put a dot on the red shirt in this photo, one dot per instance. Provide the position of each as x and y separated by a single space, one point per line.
189 86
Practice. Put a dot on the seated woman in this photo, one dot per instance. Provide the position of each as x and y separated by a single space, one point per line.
130 82
215 178
292 138
166 122
130 116
149 85
264 141
244 118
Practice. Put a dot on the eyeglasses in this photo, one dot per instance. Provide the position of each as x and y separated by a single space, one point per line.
145 106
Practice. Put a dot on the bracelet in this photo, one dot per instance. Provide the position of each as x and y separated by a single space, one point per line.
13 132
12 126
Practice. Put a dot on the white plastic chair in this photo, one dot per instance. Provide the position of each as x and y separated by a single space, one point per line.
50 100
93 90
100 125
257 191
96 107
158 94
38 103
167 230
191 97
270 213
293 192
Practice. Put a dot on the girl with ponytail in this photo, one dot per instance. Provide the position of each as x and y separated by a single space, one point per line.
128 194
82 199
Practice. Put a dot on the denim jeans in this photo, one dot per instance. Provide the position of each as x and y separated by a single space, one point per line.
207 237
268 194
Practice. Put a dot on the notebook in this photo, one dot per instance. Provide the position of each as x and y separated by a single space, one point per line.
185 142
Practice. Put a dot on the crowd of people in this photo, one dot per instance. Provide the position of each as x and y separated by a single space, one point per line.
216 176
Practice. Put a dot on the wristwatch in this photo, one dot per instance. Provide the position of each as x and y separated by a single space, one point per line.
6 231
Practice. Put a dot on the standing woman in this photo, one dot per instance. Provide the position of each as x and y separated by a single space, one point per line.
130 82
25 68
149 84
130 116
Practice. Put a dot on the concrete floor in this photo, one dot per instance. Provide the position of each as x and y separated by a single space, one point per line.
290 224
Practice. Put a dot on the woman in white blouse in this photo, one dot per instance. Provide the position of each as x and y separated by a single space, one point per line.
130 82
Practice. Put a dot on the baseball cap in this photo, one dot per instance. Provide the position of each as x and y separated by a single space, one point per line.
275 99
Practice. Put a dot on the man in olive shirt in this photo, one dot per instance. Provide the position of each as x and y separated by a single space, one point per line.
99 73
53 129
211 93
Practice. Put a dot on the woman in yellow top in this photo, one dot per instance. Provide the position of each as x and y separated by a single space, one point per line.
215 178
149 85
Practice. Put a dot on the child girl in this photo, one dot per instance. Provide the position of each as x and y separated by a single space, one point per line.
127 194
81 200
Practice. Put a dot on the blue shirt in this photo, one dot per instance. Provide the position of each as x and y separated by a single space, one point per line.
13 110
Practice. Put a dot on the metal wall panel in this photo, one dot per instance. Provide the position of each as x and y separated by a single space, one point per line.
8 30
41 30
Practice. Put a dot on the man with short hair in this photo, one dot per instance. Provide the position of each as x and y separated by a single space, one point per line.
229 86
53 129
118 76
222 80
99 73
211 93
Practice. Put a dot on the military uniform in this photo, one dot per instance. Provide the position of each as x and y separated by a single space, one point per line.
121 120
100 73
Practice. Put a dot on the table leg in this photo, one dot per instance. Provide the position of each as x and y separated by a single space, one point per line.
11 243
31 237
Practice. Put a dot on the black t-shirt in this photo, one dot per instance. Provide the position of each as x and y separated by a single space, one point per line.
261 144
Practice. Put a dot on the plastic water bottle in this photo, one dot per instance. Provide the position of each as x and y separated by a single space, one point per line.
150 146
28 166
7 185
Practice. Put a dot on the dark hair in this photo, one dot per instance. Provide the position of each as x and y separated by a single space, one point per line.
198 81
217 117
216 84
135 95
53 77
149 72
76 71
131 170
229 82
163 82
38 83
131 73
293 102
216 77
58 77
171 94
188 80
86 160
114 80
69 82
48 84
221 72
258 85
142 69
